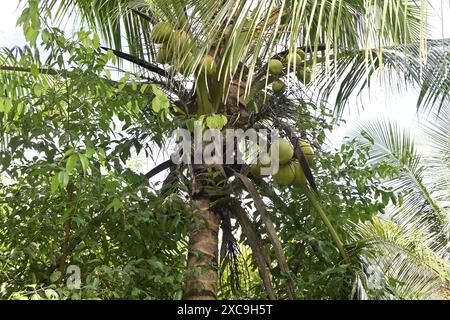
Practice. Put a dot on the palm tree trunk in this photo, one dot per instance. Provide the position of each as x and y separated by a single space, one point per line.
203 252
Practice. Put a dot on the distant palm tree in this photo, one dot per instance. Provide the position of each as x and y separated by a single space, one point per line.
407 248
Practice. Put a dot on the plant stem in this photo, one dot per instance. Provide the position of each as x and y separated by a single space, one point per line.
316 205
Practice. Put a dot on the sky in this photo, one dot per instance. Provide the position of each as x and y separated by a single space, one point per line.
376 102
379 101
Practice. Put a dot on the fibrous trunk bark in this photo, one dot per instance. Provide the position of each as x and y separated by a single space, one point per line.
203 252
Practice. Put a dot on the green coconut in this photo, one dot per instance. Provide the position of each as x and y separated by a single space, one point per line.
293 58
255 170
161 32
299 175
162 56
209 65
278 86
304 75
307 150
179 41
285 150
275 67
301 53
264 162
285 175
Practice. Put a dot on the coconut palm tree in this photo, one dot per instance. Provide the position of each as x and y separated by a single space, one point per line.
409 243
213 58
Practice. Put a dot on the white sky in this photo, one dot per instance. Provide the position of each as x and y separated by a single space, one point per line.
9 34
377 102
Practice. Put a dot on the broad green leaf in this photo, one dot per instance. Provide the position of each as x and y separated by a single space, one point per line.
37 89
216 121
84 162
34 70
31 35
55 183
45 36
55 276
117 204
35 296
160 102
96 41
63 178
5 105
71 162
144 87
90 152
101 153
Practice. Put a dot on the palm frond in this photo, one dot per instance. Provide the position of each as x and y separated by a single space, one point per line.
397 67
392 145
16 66
245 32
122 23
436 140
398 263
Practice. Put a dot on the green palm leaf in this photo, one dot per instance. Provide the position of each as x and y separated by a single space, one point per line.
398 263
395 146
244 32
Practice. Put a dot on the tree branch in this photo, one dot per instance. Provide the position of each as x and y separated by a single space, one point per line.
138 61
160 167
271 232
259 254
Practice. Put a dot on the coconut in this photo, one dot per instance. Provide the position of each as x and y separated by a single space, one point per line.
294 58
278 86
285 175
255 170
307 150
179 41
162 56
285 150
209 65
275 67
304 75
301 53
266 160
161 32
299 175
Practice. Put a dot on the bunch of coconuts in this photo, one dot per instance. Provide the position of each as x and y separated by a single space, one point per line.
290 171
176 50
175 43
276 67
